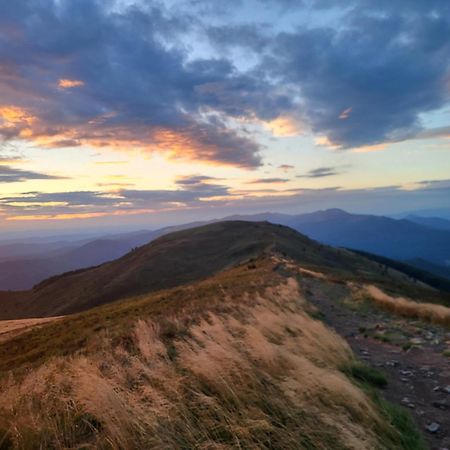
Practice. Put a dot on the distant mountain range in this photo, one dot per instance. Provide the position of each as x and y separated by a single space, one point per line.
419 241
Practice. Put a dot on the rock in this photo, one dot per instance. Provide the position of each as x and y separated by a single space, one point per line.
406 373
436 389
433 427
405 400
441 404
404 380
447 389
392 363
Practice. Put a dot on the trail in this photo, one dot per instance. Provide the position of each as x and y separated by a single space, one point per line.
418 377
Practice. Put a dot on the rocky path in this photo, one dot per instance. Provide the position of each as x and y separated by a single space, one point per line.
411 354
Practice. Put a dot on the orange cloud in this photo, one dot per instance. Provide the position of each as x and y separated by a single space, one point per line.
284 126
13 115
370 148
193 141
65 83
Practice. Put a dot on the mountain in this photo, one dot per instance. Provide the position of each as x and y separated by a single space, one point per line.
22 265
396 239
430 222
229 335
179 258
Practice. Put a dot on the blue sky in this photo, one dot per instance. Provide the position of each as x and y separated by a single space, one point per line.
139 113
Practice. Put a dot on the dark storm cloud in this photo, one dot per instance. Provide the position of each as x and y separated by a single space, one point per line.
368 80
320 172
11 175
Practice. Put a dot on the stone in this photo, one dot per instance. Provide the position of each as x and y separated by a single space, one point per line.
433 427
441 404
392 363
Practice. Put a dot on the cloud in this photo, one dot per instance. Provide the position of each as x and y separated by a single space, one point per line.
93 73
268 181
145 76
320 172
368 80
194 180
286 167
215 200
193 191
67 84
9 174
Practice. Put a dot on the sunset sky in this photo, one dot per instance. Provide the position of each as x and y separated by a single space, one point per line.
140 113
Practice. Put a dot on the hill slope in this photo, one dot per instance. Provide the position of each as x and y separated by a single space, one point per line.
180 258
403 240
234 361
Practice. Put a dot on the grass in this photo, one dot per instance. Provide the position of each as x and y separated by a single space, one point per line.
399 429
406 435
429 312
235 361
362 372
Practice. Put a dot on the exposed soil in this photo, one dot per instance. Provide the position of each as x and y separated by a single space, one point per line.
410 353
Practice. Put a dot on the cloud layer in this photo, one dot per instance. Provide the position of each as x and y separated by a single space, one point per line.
94 72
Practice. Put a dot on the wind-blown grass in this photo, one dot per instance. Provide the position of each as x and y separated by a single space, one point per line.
232 362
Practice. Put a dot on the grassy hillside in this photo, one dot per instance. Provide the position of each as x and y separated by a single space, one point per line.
234 361
186 256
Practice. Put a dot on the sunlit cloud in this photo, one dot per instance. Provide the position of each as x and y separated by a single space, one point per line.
324 141
370 148
67 84
284 126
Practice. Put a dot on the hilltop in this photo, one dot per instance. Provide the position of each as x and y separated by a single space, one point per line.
179 258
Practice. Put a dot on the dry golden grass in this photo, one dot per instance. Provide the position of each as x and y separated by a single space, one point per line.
251 370
438 314
10 328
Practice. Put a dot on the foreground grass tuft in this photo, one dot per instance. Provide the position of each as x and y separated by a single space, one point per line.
362 372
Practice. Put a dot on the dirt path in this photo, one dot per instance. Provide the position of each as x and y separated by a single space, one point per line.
409 353
11 328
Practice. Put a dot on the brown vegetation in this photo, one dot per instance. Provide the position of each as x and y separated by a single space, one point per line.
232 362
438 314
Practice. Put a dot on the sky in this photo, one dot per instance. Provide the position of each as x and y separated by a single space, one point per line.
120 113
